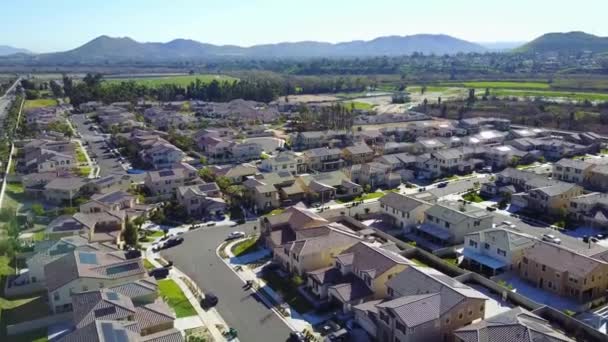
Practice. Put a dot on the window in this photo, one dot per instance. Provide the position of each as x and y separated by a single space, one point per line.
544 268
383 317
447 224
460 315
481 308
56 295
486 245
473 243
501 252
85 288
525 260
400 327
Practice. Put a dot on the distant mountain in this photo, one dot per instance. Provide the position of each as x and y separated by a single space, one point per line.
106 48
6 50
566 42
501 46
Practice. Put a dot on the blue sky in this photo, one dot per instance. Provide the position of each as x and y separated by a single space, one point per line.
53 25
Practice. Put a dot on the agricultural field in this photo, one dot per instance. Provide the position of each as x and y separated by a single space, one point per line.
500 85
181 80
39 103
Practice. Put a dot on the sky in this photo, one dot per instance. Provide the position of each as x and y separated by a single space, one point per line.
58 25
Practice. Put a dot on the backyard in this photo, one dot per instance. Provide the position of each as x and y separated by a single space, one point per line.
287 288
29 104
175 298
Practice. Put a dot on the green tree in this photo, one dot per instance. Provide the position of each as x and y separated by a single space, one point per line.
38 209
131 233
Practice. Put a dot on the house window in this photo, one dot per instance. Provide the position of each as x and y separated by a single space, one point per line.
501 252
525 260
473 243
383 317
486 245
400 327
460 315
56 295
544 268
481 308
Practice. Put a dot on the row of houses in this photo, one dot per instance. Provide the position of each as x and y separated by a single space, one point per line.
389 296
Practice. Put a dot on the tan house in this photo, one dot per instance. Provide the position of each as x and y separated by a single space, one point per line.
590 209
201 199
565 272
164 183
323 159
554 199
358 153
290 225
423 305
406 211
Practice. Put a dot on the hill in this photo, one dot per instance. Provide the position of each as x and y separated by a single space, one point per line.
6 50
106 48
566 42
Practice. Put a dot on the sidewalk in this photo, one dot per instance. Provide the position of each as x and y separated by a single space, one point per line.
210 319
10 157
294 320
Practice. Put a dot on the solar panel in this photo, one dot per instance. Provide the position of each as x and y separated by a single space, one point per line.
112 295
122 268
111 334
87 258
166 173
110 310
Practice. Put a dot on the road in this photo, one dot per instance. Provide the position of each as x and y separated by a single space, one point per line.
197 258
98 149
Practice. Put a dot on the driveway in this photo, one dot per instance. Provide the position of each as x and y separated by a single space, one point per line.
197 258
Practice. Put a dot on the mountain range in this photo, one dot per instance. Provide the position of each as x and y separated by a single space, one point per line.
6 50
105 49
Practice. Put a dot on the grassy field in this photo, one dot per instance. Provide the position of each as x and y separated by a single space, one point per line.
39 103
501 85
176 299
182 80
576 96
245 246
359 105
363 197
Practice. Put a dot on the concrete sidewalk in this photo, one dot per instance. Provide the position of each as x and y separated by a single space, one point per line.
210 318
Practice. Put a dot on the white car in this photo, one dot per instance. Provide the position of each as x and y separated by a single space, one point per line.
235 235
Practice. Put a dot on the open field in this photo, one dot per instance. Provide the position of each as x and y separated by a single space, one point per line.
576 96
499 85
39 103
183 80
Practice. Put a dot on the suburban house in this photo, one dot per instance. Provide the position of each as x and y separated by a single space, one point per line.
428 145
315 252
423 304
42 117
237 173
63 189
447 223
598 178
81 271
109 183
566 272
553 199
290 225
284 161
358 153
574 171
201 199
496 250
164 183
308 140
517 322
323 159
373 174
160 153
590 209
359 274
406 211
262 192
323 187
102 227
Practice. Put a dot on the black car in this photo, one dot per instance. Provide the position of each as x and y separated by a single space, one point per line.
209 301
174 242
159 273
442 185
132 254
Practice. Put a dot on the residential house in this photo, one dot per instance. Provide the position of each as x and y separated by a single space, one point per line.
359 274
553 199
323 187
81 271
109 183
290 225
447 223
107 330
63 189
323 159
520 323
406 211
428 145
373 174
160 153
201 199
423 304
164 183
261 195
496 250
236 173
42 117
590 209
309 140
565 272
358 153
284 161
598 178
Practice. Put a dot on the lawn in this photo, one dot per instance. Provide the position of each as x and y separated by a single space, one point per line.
504 85
39 103
80 155
244 247
84 171
367 196
276 212
577 96
472 197
359 105
288 290
181 80
173 295
148 265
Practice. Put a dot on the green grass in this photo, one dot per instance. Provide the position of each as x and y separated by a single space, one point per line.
472 197
175 298
276 212
38 335
181 80
84 171
502 85
576 96
244 247
430 89
148 265
80 154
288 291
15 188
418 262
39 103
359 105
363 197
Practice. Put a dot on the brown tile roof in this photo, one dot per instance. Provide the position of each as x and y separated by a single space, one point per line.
373 260
562 259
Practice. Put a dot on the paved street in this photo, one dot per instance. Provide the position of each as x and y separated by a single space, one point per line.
197 258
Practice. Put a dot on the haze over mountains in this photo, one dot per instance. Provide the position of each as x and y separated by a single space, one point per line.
6 50
109 49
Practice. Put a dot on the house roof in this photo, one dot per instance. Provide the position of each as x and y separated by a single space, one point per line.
373 260
517 324
416 309
322 152
153 314
401 202
66 184
297 218
359 148
100 304
562 259
416 280
454 212
81 264
504 239
138 288
317 244
354 289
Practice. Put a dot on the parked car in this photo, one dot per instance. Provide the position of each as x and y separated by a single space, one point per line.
296 336
132 254
173 242
235 235
551 238
209 301
159 273
442 185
